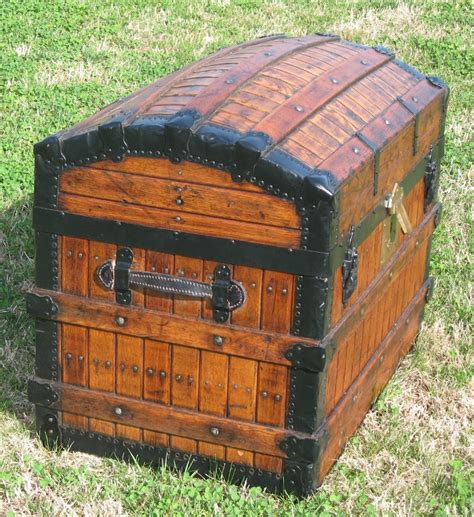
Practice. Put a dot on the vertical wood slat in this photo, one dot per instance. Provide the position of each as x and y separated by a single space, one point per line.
191 268
129 377
74 348
156 383
159 263
101 344
184 388
242 401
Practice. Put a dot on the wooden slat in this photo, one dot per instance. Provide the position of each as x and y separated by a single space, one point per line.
165 419
156 383
159 263
74 340
252 344
249 314
101 372
348 414
184 389
177 221
98 253
192 268
129 375
277 306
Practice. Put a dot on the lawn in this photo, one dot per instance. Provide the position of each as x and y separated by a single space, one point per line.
61 61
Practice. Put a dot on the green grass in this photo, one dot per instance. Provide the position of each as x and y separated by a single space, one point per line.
61 61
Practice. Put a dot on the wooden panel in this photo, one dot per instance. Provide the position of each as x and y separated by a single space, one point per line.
139 264
129 374
177 221
74 340
253 344
277 306
365 324
213 383
356 402
158 417
101 372
141 190
184 388
159 263
242 401
271 406
208 276
98 253
156 383
192 268
249 314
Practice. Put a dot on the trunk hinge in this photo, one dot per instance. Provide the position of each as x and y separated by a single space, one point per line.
349 269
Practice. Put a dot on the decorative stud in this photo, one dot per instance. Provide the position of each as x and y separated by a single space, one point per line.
68 356
118 411
218 340
178 219
356 150
264 394
284 291
108 364
334 80
179 201
215 431
300 109
150 371
179 378
120 320
269 288
162 374
414 99
123 366
278 397
135 368
387 122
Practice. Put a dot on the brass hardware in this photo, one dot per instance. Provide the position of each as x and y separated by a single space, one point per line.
398 220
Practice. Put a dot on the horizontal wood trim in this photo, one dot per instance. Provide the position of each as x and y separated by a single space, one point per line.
350 411
188 172
198 199
170 328
167 419
177 221
402 256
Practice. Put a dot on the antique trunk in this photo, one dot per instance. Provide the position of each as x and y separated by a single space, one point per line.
231 262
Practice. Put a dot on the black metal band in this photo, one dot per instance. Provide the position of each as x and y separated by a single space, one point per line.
297 477
287 260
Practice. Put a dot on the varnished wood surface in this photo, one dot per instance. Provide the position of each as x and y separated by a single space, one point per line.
350 411
138 414
371 315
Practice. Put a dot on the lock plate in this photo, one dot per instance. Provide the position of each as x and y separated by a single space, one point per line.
397 220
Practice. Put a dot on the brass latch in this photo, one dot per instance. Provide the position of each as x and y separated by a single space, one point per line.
399 219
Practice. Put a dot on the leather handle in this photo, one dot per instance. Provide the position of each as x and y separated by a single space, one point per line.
116 275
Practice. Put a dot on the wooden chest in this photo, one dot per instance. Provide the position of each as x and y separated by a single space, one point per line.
232 261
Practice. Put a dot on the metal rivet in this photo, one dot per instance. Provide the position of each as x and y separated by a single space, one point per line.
387 122
150 371
50 431
179 201
50 420
108 364
215 431
179 189
69 253
284 290
81 358
96 362
218 340
178 219
80 254
414 99
417 243
194 275
229 81
135 368
407 321
300 109
96 257
179 378
122 366
390 274
162 374
277 397
264 394
166 270
269 288
334 80
118 410
356 150
267 54
362 311
120 320
190 380
253 285
68 356
236 386
364 62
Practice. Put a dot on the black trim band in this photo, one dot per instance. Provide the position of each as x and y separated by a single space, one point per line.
297 477
287 260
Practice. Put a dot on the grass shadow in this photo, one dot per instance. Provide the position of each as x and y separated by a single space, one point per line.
16 328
